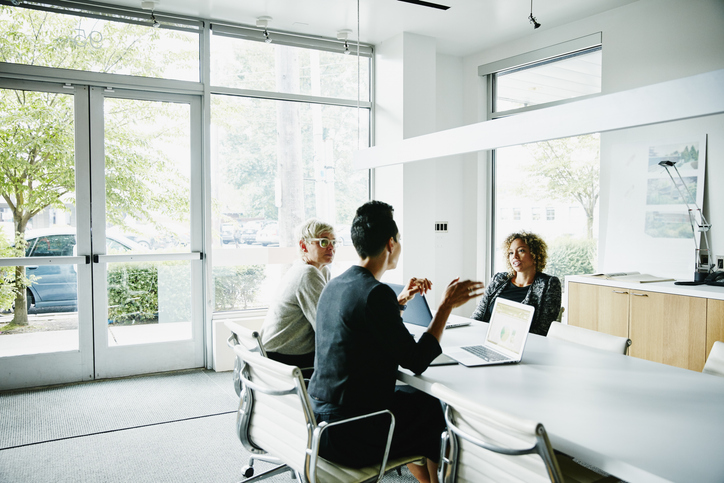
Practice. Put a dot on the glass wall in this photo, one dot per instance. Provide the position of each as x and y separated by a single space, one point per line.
277 163
549 188
284 125
72 40
564 77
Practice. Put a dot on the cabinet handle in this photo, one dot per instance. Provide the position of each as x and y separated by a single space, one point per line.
639 294
619 291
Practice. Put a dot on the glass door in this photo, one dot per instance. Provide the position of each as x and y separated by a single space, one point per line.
46 334
146 219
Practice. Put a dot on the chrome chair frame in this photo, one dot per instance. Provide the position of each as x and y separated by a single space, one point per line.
257 346
312 459
450 443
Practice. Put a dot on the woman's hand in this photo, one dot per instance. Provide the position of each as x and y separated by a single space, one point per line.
414 286
459 293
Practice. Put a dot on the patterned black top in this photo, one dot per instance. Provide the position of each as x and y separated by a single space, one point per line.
544 294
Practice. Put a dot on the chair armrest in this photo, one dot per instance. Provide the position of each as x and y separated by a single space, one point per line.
323 426
232 340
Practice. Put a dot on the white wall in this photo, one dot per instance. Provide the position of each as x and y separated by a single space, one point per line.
644 43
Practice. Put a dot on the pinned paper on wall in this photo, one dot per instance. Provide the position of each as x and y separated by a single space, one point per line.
666 212
648 221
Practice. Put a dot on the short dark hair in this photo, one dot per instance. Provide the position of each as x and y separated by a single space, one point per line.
372 227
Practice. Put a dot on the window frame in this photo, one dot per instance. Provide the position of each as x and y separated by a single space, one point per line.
561 51
63 78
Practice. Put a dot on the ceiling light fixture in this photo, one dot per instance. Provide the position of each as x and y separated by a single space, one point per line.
151 5
531 18
344 35
263 22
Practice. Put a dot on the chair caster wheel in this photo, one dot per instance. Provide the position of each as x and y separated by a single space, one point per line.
247 471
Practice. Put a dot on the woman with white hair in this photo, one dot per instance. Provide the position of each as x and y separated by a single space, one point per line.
288 329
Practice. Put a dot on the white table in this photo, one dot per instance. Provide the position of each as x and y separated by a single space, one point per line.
638 420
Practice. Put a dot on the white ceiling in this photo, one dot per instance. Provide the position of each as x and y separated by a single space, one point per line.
467 27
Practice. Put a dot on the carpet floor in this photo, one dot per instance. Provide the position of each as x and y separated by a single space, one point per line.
176 427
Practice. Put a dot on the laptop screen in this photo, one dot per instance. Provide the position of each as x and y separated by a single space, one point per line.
509 325
417 312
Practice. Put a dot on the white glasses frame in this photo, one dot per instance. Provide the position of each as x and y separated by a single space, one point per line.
324 242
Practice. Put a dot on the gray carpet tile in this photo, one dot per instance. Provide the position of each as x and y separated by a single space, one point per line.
199 450
60 412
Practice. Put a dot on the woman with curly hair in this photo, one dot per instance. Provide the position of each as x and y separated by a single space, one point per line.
526 256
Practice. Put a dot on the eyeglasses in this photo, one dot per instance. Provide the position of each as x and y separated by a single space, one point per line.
324 242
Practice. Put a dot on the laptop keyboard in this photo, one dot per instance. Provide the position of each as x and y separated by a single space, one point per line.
485 353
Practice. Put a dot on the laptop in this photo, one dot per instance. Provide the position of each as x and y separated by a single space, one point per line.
505 339
418 311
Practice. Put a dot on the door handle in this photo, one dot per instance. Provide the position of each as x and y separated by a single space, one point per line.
639 294
620 291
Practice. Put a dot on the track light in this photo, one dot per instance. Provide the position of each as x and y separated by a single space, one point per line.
262 22
531 18
343 35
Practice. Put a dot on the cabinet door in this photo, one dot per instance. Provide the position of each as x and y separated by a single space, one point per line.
714 323
670 329
600 308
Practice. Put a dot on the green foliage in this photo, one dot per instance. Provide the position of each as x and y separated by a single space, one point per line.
7 275
566 169
248 155
237 287
571 256
37 132
132 293
12 279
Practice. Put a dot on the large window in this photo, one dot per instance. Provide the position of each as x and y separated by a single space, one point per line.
100 103
276 163
73 40
551 187
573 75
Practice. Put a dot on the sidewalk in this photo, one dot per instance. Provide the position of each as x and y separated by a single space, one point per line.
43 342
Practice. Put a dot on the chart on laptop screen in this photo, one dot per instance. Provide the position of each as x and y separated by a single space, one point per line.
509 327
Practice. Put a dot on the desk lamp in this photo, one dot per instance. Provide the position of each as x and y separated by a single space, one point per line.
702 265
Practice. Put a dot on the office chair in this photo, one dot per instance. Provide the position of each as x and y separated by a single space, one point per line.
251 340
482 444
275 416
590 338
715 362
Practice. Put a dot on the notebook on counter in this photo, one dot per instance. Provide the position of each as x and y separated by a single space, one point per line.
505 340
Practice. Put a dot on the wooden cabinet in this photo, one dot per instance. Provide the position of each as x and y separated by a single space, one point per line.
714 323
670 328
666 328
603 309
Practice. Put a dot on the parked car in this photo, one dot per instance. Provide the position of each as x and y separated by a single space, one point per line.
227 232
247 233
343 234
57 285
269 235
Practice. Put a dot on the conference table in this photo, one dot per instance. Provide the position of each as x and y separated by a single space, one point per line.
638 420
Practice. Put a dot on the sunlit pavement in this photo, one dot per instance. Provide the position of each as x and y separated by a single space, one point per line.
67 340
